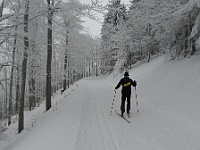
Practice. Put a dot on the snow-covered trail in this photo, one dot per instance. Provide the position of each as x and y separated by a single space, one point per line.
82 121
152 128
94 131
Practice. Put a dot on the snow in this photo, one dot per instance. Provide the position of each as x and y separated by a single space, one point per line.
169 116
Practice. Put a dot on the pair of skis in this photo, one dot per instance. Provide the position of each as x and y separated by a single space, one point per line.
112 107
123 117
129 114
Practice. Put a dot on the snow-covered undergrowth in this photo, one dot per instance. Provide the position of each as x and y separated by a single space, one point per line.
169 117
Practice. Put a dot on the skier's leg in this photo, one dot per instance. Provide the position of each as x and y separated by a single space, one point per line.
123 104
128 103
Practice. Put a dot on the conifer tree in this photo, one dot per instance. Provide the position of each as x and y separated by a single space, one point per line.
114 18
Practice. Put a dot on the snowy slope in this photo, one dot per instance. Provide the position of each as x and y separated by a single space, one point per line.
169 117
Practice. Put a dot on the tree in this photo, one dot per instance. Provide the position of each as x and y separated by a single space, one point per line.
113 20
24 32
50 4
24 67
13 66
1 8
180 41
72 25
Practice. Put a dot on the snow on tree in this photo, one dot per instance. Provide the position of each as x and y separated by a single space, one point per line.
149 28
113 21
180 29
196 28
24 33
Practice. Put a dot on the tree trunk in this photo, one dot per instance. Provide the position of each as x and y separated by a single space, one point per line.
17 91
32 81
56 72
49 54
89 71
6 94
32 101
96 64
193 47
68 73
24 67
11 78
65 65
65 74
1 8
32 74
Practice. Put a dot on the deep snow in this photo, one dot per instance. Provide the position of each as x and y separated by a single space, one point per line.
169 117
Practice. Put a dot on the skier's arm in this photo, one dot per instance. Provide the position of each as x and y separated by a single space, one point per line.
118 85
133 83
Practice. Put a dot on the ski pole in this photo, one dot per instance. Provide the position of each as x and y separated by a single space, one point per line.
136 100
113 102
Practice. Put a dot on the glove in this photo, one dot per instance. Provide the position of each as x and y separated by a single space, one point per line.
134 83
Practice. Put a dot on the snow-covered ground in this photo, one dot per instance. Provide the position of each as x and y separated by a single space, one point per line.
169 116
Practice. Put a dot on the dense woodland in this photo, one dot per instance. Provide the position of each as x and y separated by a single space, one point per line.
144 28
44 47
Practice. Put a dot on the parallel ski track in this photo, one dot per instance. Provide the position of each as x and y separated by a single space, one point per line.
157 130
121 134
163 131
110 144
116 133
85 133
152 126
166 134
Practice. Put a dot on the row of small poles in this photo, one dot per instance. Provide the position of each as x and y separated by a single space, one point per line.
113 102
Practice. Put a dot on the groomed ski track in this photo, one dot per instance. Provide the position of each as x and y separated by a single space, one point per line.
82 121
152 128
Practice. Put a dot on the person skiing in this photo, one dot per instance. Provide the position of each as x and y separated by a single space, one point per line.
126 83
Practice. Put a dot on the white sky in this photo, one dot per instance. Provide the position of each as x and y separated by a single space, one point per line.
93 26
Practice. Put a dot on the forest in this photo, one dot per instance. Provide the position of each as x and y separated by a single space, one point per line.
44 47
146 28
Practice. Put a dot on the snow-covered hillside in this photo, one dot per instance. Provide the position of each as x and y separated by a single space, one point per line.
169 117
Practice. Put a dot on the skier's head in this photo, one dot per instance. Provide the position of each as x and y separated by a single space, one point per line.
126 74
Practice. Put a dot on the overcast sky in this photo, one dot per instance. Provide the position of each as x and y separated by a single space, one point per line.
93 26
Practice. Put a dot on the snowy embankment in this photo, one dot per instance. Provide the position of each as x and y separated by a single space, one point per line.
169 117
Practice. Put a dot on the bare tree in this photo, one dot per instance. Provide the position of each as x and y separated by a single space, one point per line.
6 93
1 8
65 65
49 54
12 69
24 67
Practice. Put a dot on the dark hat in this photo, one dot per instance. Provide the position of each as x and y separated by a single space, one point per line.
126 74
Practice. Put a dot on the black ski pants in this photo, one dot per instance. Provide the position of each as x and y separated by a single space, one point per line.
123 100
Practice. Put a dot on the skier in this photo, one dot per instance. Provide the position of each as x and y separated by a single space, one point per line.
126 83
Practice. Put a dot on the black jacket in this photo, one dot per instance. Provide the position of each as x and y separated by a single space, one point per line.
126 83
